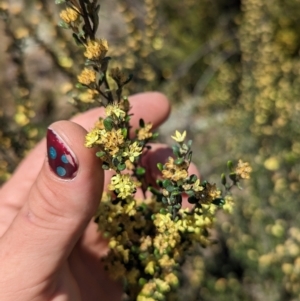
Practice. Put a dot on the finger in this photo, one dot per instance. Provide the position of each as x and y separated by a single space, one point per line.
153 107
60 204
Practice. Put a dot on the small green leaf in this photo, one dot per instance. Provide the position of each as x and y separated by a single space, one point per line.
154 191
159 183
223 179
230 165
108 123
115 161
142 123
164 200
80 86
193 179
189 143
166 183
77 39
189 158
171 188
142 281
233 177
121 166
89 63
190 192
63 25
176 150
155 136
105 166
218 202
179 161
100 154
140 171
160 166
124 132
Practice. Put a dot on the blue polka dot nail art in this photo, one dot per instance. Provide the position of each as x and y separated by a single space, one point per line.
62 160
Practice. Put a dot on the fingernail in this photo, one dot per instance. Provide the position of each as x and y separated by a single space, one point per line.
61 159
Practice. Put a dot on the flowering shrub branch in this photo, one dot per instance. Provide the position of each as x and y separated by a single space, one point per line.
147 238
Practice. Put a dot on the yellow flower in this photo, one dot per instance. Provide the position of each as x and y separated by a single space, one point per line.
69 15
150 268
88 96
96 49
130 208
243 170
175 172
208 194
172 279
87 76
179 137
144 133
123 185
91 138
113 140
133 151
114 110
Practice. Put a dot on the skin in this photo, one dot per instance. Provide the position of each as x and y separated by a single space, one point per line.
49 247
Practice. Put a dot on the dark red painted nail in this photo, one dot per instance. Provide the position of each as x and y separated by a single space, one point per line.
62 160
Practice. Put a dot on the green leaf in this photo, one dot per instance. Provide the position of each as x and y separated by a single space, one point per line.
190 192
179 161
140 171
63 24
124 132
142 123
223 179
233 177
155 136
164 200
159 183
105 166
230 165
190 156
142 281
176 150
121 166
80 86
160 166
167 183
100 154
154 191
108 123
89 63
171 188
60 1
77 39
193 179
115 161
218 202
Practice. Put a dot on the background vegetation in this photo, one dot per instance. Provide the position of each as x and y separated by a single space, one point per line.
232 72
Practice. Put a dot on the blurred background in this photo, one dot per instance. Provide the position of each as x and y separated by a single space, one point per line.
231 70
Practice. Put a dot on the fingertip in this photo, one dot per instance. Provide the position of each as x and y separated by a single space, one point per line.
153 107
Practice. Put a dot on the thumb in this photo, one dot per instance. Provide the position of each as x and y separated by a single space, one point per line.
60 204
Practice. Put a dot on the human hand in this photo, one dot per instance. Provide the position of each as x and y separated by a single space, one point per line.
49 247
